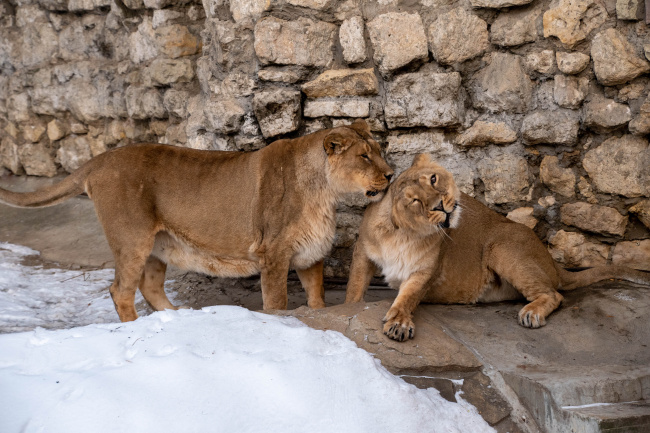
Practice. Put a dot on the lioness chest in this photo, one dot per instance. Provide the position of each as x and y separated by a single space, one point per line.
316 236
399 256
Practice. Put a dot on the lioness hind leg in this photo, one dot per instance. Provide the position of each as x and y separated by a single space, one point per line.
312 281
123 290
534 314
152 284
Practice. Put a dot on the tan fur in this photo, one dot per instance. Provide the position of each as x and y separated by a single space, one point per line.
222 213
481 257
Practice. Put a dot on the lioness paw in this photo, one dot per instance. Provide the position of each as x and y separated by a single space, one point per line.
529 319
398 326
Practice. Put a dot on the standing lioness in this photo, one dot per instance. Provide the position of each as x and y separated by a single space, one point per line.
435 244
228 214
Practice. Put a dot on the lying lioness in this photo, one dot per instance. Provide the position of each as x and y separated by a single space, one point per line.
228 214
435 244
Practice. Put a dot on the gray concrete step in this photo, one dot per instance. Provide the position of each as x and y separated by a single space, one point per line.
629 417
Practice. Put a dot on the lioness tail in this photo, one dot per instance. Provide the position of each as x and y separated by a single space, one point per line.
69 187
574 280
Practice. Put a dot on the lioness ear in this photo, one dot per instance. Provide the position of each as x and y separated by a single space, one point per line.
334 144
362 127
421 159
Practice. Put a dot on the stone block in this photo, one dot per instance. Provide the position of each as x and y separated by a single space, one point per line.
424 99
352 40
34 130
513 28
311 4
287 75
642 211
571 21
594 218
56 130
615 59
142 43
176 41
602 114
223 116
74 152
635 254
398 39
640 125
542 62
630 10
482 133
342 82
337 108
277 111
558 179
503 85
523 215
457 36
498 4
301 42
37 160
505 177
243 10
9 156
630 175
163 72
574 250
144 103
551 127
569 91
572 63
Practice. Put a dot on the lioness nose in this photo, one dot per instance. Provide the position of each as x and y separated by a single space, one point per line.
388 176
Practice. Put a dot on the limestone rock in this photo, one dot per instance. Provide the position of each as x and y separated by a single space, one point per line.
569 92
642 211
337 108
572 63
482 133
39 41
397 39
74 152
164 16
523 215
424 99
342 82
288 75
37 160
542 62
503 85
594 218
620 166
640 125
635 254
248 9
277 111
33 131
142 43
223 115
551 127
163 72
631 92
514 28
143 103
457 36
505 178
498 4
175 102
176 41
615 59
573 250
300 42
603 114
9 156
134 4
352 40
56 130
571 21
558 179
630 9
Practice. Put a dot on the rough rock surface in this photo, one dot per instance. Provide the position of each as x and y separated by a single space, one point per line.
572 62
640 125
342 82
558 179
594 218
604 114
551 127
394 50
421 99
37 159
635 254
630 9
457 36
503 85
542 62
498 4
514 28
277 111
352 40
615 60
571 21
74 152
642 211
573 250
337 108
630 175
569 92
505 177
482 133
523 215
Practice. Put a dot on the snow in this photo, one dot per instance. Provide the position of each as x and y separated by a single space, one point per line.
220 369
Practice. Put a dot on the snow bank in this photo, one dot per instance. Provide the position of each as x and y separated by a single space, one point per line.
222 369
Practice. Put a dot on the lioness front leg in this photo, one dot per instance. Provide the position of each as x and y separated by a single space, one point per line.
274 274
399 318
361 272
312 281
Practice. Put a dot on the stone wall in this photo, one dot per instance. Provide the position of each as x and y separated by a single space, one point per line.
538 107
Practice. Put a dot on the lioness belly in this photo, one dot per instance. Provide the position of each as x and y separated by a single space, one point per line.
174 251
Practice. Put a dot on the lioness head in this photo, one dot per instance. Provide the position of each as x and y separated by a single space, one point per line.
355 161
425 197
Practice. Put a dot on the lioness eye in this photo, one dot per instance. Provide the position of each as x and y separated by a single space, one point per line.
434 178
365 156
